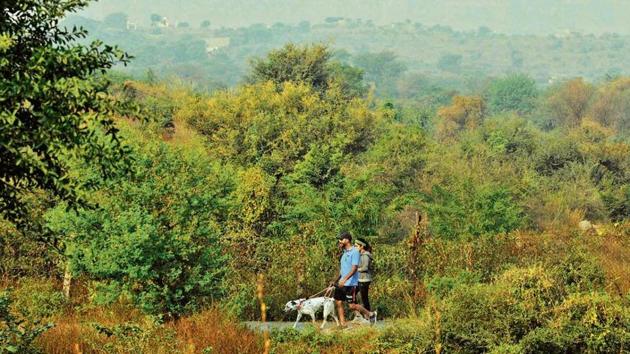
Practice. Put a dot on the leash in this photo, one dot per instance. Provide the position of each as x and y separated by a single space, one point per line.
327 291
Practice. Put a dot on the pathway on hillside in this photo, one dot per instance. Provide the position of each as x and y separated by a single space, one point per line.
257 325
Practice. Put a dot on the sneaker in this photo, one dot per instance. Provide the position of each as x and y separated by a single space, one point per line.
373 317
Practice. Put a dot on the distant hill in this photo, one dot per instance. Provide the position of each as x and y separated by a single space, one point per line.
218 57
505 16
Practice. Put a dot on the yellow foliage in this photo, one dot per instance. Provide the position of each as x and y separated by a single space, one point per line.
569 103
466 112
5 42
612 106
258 124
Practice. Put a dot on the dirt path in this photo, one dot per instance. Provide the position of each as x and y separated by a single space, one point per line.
256 325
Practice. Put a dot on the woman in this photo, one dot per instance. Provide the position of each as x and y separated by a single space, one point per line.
365 271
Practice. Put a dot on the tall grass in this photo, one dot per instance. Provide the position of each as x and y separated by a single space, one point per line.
131 332
211 329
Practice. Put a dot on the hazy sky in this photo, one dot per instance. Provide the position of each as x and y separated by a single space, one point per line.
508 16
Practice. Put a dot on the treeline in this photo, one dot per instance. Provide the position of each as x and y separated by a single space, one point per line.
213 57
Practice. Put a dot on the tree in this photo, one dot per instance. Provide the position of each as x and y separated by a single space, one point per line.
116 20
155 18
53 104
293 63
349 78
259 125
310 65
484 31
513 93
569 102
304 27
155 235
450 62
473 210
464 112
205 24
517 59
383 69
611 107
422 89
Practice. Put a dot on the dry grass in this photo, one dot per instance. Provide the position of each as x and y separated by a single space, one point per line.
211 329
611 245
68 336
77 333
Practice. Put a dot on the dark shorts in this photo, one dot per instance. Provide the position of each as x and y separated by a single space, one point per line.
346 293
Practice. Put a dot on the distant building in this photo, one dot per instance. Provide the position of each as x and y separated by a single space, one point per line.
215 43
163 23
131 26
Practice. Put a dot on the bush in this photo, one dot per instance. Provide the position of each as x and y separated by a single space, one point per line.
442 286
474 318
506 348
529 310
543 340
407 336
394 297
16 333
592 323
580 272
128 337
155 235
556 154
532 292
312 340
473 211
478 317
38 299
595 323
513 93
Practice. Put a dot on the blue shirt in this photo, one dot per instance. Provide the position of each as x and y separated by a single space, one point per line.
350 258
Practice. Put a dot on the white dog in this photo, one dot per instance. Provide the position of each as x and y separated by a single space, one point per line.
310 306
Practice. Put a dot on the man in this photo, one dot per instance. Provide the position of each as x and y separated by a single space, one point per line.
346 287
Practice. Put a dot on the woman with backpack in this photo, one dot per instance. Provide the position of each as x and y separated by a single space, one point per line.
365 270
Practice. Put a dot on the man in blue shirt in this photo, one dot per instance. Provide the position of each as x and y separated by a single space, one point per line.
346 284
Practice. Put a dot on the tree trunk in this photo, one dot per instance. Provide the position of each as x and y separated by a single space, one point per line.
67 281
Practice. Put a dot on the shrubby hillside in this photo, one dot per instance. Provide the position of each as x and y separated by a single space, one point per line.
498 215
400 58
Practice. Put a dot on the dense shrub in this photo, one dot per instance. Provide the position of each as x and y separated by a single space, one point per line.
474 318
211 331
155 235
38 299
557 154
473 211
580 272
529 310
513 93
592 323
312 340
441 286
17 334
407 336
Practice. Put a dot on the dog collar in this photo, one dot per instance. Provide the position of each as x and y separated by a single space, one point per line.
299 306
